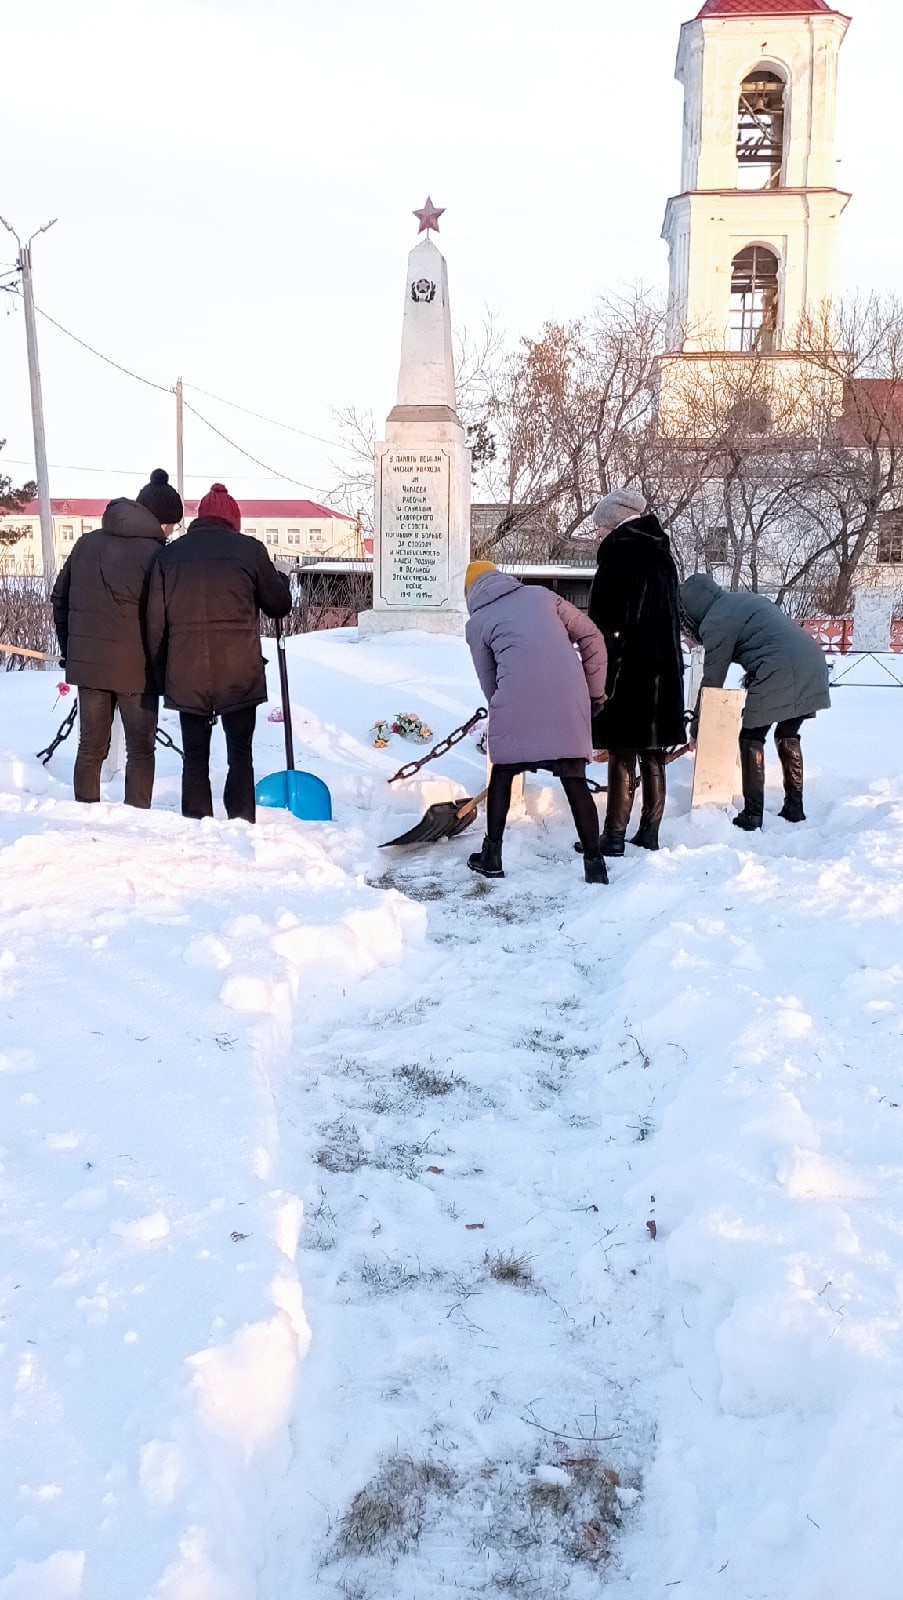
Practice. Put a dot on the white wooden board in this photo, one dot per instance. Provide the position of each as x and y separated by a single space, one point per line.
715 777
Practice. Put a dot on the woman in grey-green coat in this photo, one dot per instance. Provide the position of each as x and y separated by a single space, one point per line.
786 682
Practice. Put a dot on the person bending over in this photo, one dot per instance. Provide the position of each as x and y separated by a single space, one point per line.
540 692
786 683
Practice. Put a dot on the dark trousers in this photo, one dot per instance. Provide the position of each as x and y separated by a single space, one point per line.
95 722
578 795
238 794
790 729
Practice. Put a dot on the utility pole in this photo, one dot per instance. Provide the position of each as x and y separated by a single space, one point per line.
48 552
180 455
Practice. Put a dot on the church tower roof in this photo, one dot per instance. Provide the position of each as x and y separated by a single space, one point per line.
764 8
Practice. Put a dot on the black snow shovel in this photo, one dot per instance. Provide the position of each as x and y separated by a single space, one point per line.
447 818
444 820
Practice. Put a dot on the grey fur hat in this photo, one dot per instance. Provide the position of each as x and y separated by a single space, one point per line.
619 506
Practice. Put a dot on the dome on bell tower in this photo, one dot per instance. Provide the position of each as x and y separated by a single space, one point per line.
763 8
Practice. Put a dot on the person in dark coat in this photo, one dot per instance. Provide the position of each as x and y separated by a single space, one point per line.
540 691
203 625
99 610
633 602
786 683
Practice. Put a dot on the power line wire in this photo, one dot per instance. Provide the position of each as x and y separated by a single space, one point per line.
243 452
335 444
126 472
162 387
168 389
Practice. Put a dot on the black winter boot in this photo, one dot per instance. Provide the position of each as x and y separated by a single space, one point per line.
791 756
652 783
621 790
646 836
487 861
594 869
752 767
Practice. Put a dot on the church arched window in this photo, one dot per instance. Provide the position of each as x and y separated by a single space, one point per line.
754 299
760 130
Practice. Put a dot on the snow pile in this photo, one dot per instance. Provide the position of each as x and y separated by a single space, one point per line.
153 1318
371 1230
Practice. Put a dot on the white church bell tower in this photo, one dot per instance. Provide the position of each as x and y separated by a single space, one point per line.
753 234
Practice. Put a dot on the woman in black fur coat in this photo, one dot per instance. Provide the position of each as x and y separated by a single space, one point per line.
634 605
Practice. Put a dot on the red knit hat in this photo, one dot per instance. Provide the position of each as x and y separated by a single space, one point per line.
218 503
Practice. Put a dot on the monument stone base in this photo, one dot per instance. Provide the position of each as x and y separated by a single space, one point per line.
371 623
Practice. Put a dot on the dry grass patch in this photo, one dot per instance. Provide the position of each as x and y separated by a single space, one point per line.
587 1509
387 1516
394 1277
521 1527
423 889
343 1152
425 1082
479 889
507 1267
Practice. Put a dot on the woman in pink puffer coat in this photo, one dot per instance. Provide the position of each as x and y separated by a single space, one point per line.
541 692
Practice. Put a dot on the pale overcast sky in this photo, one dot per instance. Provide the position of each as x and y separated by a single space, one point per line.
234 182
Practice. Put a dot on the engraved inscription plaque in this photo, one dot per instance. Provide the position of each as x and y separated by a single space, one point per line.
414 521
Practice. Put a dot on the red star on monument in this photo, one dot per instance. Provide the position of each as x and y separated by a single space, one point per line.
428 216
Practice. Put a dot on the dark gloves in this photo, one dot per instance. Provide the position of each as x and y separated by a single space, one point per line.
595 706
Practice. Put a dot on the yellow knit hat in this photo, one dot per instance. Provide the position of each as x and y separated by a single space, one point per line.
476 570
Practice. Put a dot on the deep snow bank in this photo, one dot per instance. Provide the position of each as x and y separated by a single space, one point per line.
152 1320
713 1043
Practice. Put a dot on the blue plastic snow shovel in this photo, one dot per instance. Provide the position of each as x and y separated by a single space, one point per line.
300 793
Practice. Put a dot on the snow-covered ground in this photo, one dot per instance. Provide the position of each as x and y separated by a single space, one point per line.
327 1178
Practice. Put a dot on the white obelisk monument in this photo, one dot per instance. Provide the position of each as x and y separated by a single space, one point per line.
421 524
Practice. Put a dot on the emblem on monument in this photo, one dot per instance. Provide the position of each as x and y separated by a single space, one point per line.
423 289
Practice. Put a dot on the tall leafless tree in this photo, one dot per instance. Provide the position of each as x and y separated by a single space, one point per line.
775 471
12 503
478 359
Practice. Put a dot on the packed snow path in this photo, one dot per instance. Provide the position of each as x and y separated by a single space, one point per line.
328 1182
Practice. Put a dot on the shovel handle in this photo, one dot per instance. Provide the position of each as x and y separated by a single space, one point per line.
35 655
286 703
471 805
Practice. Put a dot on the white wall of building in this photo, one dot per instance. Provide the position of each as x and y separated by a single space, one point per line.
286 539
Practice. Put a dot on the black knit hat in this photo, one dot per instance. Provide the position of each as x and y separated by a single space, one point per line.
160 498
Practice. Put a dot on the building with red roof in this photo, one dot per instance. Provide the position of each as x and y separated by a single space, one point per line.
872 414
290 529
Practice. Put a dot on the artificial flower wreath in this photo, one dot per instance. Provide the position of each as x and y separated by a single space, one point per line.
405 724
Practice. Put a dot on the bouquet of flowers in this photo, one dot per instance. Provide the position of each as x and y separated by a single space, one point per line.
406 725
380 734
